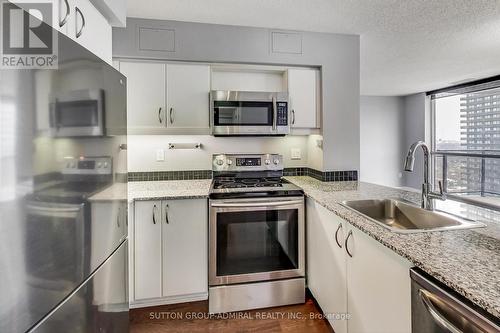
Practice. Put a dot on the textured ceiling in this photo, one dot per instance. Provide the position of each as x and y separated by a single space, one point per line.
407 46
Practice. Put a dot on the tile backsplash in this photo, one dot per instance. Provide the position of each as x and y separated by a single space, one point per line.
325 176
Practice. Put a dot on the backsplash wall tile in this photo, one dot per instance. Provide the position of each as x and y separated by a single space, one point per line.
325 176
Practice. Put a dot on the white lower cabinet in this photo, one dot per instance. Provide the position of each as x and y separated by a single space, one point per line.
370 283
170 251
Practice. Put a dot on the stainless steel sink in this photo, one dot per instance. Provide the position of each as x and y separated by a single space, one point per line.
405 217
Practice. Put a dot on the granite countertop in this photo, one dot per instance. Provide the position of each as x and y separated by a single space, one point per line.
169 189
117 191
467 261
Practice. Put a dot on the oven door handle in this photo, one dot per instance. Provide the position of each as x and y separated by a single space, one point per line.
257 204
55 211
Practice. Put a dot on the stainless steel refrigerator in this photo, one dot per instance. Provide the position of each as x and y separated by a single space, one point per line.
63 196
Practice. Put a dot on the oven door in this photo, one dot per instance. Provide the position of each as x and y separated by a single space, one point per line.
79 113
256 240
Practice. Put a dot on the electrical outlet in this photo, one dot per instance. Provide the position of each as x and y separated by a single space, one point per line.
296 154
160 155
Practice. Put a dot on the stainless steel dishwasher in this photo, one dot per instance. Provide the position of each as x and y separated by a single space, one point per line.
435 309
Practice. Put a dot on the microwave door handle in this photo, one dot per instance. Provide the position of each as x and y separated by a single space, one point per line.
275 113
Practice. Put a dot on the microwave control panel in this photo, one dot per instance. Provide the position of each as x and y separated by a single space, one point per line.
282 114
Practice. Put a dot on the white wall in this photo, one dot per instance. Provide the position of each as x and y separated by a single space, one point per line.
142 151
382 140
336 54
416 127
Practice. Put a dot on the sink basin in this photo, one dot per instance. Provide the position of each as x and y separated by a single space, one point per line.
404 217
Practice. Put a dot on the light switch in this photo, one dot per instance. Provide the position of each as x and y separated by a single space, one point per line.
296 154
160 155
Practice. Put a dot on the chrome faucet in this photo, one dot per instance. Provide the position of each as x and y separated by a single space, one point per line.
427 193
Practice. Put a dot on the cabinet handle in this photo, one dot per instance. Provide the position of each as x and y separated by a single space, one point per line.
166 214
345 243
154 213
118 217
293 117
79 32
170 113
336 235
65 19
159 115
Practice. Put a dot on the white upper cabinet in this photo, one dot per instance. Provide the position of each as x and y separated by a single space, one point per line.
88 27
145 95
167 98
303 88
187 96
82 22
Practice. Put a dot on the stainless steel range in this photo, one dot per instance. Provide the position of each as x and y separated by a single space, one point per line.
257 252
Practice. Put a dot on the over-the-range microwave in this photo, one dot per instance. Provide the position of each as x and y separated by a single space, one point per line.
77 113
238 113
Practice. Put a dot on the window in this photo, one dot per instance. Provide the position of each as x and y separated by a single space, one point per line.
466 142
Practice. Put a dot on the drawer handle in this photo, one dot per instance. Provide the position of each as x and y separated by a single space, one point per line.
336 235
79 32
166 214
159 115
118 217
154 213
345 243
65 19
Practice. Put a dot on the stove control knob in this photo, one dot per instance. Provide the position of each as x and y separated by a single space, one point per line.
105 165
99 164
220 162
267 162
276 161
229 162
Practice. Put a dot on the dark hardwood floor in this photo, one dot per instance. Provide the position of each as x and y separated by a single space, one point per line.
193 318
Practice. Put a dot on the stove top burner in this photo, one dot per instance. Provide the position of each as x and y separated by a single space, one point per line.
228 183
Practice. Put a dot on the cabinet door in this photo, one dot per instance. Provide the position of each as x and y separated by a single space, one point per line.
145 95
88 27
185 249
188 89
326 263
379 294
303 93
147 243
61 11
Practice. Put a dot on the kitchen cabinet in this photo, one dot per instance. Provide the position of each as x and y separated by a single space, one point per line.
88 27
167 98
147 249
185 247
303 88
170 251
370 282
187 96
82 22
145 95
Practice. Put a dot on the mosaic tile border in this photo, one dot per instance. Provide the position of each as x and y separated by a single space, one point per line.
169 175
325 176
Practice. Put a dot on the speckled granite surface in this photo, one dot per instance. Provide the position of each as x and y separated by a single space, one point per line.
117 191
468 261
169 189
